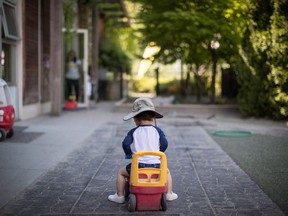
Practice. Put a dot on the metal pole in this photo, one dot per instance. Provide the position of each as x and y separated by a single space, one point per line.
95 50
214 70
157 81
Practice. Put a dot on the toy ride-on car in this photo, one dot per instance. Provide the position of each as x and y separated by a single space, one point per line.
7 113
147 186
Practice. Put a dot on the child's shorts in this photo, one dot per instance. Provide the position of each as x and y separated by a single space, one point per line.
142 165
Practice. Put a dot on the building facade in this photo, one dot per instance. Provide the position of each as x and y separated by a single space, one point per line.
33 49
26 58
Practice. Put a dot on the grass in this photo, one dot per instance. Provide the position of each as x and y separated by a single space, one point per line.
265 160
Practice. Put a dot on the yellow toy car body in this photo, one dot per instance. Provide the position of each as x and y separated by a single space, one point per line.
148 185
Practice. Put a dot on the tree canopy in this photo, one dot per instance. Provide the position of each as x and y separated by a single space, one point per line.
252 38
190 26
263 69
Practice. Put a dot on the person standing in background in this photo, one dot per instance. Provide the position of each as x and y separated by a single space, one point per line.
72 75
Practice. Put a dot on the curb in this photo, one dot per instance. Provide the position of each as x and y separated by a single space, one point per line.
121 106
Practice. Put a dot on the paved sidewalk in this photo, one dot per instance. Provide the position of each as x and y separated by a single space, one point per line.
41 143
206 179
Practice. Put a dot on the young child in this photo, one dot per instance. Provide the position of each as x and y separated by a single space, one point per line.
144 137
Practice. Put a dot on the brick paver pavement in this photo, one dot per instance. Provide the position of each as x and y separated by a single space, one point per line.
206 179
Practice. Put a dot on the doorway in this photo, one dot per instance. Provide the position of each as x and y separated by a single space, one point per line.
78 42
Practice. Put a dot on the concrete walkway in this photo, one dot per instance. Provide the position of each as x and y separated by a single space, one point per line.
70 166
41 143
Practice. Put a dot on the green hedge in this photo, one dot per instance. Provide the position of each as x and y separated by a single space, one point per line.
263 69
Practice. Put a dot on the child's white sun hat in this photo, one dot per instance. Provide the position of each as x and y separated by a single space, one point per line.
140 105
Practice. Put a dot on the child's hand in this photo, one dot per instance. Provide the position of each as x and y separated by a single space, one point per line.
128 156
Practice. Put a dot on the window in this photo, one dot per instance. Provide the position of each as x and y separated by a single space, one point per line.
5 63
10 25
9 39
3 99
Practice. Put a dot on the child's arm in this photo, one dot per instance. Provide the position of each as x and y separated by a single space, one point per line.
163 141
128 140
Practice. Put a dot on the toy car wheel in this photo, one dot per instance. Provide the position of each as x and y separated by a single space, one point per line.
3 134
132 203
127 189
163 202
10 133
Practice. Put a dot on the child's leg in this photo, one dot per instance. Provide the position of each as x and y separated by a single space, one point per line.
169 182
121 181
170 196
118 197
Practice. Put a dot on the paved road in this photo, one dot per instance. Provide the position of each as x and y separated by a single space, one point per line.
206 179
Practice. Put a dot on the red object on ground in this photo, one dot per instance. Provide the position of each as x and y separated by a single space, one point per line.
70 104
7 115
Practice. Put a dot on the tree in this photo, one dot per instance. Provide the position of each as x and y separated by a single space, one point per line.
263 70
191 26
113 57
